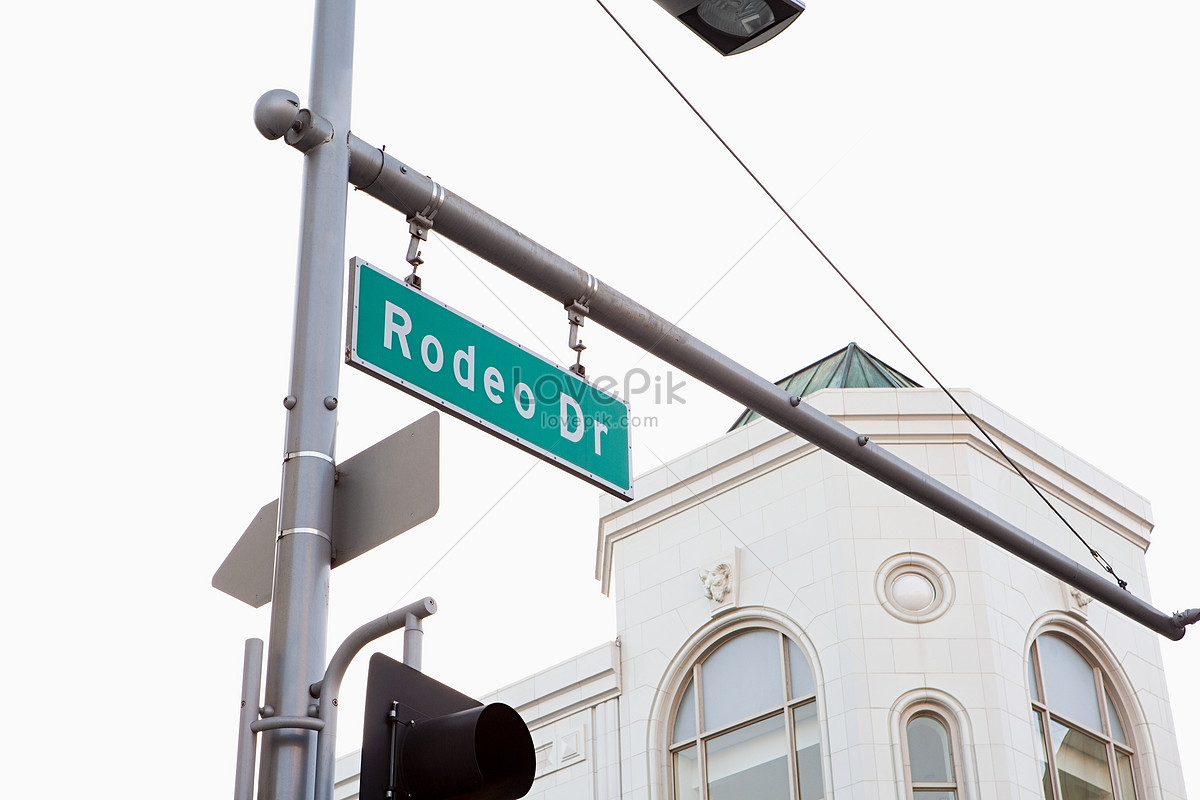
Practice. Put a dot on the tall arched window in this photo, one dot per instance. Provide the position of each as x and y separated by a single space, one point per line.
1085 753
931 734
931 766
746 724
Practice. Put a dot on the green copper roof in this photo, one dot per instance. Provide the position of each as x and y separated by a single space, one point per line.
848 368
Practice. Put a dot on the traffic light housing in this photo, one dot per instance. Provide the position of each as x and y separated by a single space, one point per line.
423 740
734 26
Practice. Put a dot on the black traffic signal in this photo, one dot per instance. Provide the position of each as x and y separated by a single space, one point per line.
734 26
423 740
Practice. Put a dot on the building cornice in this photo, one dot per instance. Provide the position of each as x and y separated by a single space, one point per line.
894 418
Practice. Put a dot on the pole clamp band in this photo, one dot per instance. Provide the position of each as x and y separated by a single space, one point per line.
313 531
308 454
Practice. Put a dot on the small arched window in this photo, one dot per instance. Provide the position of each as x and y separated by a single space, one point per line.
931 768
1084 751
746 724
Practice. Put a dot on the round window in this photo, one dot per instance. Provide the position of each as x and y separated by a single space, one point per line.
914 587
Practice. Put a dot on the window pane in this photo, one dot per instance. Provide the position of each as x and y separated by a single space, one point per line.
1034 689
742 678
1125 776
685 717
929 751
687 774
750 762
800 673
808 752
1082 763
1044 760
1114 721
934 794
1070 682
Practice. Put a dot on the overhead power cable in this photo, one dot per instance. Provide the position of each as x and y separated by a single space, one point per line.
787 214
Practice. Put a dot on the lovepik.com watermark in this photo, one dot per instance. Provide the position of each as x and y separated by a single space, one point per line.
639 383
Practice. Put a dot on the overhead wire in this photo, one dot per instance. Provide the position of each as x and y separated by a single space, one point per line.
757 242
1104 564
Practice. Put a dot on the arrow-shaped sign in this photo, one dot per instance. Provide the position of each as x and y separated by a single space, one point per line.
380 493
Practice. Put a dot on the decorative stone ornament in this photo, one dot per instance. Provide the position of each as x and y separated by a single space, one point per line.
1076 602
564 747
719 581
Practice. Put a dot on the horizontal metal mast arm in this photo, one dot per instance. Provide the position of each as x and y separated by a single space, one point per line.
406 190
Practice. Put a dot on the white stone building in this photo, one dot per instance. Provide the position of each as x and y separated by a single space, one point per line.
790 627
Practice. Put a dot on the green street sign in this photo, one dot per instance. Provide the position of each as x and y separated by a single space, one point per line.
425 348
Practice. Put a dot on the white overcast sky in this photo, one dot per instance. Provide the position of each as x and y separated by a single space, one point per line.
1013 186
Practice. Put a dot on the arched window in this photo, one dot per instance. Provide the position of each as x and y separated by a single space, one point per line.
931 735
931 768
746 724
1084 750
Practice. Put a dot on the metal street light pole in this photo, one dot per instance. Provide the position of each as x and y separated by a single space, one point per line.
299 611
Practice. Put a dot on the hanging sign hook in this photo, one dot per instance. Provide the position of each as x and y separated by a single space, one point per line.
419 226
576 313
